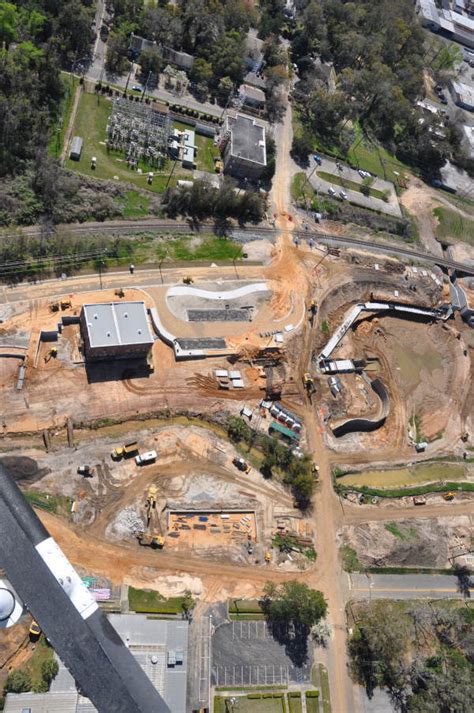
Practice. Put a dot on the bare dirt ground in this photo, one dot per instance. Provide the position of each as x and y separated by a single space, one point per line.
412 543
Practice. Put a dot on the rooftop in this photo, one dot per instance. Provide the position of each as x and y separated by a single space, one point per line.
247 139
149 640
252 92
117 324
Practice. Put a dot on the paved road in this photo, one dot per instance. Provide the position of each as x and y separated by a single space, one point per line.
404 586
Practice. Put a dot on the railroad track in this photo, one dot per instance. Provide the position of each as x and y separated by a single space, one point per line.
169 226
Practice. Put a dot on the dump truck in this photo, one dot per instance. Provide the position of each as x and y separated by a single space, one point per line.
152 536
124 451
419 500
145 458
241 465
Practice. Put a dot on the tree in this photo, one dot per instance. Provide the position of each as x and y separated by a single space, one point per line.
293 604
49 670
188 603
201 71
237 429
8 23
18 682
150 60
301 147
116 60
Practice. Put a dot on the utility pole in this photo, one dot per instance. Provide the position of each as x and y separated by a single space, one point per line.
171 173
146 85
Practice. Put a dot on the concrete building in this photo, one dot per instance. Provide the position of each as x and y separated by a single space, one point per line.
462 94
243 147
252 96
182 60
116 330
153 643
457 23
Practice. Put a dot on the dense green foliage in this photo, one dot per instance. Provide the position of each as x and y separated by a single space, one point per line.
294 603
422 653
277 459
201 200
378 53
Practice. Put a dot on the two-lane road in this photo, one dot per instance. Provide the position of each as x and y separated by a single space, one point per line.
404 586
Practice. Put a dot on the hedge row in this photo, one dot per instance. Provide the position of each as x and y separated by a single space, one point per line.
312 694
407 492
259 696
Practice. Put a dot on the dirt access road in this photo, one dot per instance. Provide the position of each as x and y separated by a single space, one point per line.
328 575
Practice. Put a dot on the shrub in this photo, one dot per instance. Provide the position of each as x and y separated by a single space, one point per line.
312 694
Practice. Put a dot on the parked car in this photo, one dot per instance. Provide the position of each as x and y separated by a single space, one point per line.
331 191
318 159
364 174
343 195
136 88
442 98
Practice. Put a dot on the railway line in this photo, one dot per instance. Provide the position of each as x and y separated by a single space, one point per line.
252 233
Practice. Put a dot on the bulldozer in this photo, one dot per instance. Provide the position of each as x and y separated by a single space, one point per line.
152 536
448 496
66 304
188 280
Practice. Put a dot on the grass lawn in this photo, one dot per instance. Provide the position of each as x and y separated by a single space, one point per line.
350 185
350 560
91 122
400 477
325 693
244 606
452 226
210 248
136 205
58 132
146 601
43 652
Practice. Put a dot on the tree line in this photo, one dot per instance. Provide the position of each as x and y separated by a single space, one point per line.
378 52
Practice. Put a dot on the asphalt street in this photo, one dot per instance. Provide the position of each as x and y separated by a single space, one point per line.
404 586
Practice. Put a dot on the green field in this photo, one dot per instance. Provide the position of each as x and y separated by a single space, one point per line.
149 602
452 226
210 248
91 121
403 477
43 652
350 185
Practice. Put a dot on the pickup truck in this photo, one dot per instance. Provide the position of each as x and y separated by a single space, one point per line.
144 458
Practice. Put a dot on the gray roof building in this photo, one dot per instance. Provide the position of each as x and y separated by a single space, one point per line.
115 330
244 147
149 640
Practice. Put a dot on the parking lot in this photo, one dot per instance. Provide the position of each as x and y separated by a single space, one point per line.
245 653
346 174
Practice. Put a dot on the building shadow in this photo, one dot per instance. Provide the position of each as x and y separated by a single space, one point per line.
117 370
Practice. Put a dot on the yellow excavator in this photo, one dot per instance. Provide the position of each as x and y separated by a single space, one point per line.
153 534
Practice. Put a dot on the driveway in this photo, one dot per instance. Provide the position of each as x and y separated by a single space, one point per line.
390 207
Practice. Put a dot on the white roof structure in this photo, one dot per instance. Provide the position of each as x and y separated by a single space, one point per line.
117 324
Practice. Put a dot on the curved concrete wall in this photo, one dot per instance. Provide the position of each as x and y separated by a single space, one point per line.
181 290
366 425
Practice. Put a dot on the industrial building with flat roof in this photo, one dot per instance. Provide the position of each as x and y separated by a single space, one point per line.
154 643
243 147
116 330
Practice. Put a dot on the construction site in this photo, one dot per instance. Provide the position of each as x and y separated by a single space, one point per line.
119 402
